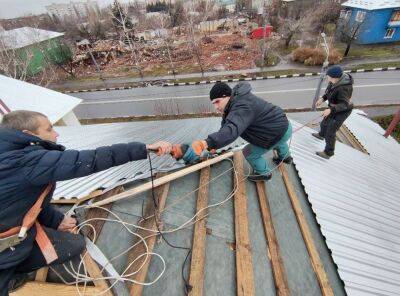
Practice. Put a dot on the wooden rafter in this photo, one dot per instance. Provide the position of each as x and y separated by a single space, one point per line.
196 277
244 263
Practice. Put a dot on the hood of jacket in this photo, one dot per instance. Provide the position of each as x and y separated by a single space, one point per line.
346 79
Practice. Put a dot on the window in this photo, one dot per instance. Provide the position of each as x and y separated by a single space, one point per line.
389 33
360 16
395 16
348 14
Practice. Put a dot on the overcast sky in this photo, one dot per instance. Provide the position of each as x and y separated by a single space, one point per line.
16 8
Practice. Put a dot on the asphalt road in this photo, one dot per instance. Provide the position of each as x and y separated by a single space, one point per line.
369 88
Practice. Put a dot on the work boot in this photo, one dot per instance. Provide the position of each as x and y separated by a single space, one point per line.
17 281
255 177
323 154
318 136
277 160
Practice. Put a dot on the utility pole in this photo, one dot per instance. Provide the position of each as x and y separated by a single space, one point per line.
323 71
265 17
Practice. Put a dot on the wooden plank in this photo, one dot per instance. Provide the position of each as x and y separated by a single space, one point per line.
163 180
278 269
352 139
91 266
196 276
244 264
51 289
41 274
161 194
95 272
316 262
99 213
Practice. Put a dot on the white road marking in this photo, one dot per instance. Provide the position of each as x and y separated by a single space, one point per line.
206 96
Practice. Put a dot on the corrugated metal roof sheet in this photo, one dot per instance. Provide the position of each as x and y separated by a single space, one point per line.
372 4
93 136
25 36
370 135
20 95
356 200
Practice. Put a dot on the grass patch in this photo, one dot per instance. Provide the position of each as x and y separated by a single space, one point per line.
372 50
377 65
384 122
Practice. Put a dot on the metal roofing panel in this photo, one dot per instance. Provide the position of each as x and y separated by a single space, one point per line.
356 201
370 135
25 36
372 4
93 136
20 95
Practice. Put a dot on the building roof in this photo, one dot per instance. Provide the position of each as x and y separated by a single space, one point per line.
356 202
93 136
354 197
20 95
372 4
25 36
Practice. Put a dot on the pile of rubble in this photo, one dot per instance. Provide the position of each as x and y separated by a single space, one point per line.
218 52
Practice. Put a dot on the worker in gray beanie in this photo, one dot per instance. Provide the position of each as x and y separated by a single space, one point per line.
338 94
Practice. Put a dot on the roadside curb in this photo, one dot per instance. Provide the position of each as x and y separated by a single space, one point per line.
278 76
235 79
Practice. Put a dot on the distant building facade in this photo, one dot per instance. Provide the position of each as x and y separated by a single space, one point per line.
371 22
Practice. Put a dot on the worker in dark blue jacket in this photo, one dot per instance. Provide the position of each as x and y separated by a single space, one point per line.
262 124
338 94
30 159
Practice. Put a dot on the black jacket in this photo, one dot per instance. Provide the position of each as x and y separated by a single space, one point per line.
255 120
28 164
339 94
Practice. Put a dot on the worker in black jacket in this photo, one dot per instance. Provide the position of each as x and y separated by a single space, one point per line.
30 159
338 94
262 124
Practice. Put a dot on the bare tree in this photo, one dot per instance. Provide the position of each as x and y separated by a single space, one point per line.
13 63
168 42
289 27
19 62
348 31
122 21
194 41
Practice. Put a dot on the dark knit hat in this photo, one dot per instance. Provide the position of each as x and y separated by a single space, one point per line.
220 90
335 72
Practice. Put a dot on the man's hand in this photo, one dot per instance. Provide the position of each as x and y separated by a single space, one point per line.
160 147
199 146
195 151
319 102
326 113
67 224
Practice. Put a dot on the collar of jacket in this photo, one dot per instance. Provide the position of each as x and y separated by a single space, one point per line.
11 139
346 79
242 88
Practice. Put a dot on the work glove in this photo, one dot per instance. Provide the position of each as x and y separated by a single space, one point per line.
196 152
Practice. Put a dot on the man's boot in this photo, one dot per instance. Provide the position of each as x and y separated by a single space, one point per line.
318 136
323 154
277 160
254 177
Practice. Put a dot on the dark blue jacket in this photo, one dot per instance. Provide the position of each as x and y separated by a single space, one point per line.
255 120
28 164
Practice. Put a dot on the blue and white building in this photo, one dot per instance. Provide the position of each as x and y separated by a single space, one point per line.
377 21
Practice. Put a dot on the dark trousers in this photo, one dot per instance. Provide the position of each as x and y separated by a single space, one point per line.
67 246
329 126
